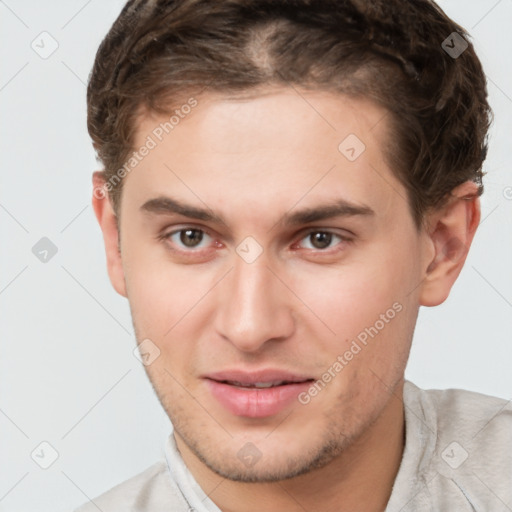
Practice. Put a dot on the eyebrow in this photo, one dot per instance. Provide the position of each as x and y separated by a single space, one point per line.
338 208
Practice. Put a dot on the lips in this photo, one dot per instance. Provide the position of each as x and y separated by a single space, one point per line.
256 394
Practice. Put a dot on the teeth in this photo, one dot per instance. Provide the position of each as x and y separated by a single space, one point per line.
260 385
266 384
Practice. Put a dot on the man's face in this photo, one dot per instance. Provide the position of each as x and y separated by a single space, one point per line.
268 293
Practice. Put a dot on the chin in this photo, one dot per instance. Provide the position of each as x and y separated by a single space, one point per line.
265 462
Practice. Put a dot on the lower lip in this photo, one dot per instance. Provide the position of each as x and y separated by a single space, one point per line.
256 402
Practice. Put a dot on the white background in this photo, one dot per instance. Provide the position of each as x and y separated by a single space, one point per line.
67 372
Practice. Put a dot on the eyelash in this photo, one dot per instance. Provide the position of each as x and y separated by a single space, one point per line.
166 237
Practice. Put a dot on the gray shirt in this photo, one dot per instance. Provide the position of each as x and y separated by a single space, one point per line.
457 458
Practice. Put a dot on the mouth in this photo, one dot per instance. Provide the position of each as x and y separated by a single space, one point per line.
262 385
257 394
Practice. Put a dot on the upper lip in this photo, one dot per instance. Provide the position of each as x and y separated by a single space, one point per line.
252 377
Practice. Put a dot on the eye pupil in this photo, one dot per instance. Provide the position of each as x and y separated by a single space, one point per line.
191 237
321 240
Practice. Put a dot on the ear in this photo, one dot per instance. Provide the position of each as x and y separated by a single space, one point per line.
109 226
450 232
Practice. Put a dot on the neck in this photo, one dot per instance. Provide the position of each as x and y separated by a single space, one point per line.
361 478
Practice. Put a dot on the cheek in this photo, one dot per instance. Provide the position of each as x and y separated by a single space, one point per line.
368 300
164 308
165 298
348 296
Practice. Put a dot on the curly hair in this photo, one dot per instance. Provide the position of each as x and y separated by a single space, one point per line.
393 52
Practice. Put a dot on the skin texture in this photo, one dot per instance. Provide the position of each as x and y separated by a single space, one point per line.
297 307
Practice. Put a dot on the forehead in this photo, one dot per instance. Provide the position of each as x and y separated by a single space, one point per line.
267 152
260 120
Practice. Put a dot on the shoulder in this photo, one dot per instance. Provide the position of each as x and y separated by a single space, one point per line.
467 415
152 489
471 438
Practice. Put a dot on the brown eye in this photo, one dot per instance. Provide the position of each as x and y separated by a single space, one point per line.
189 238
321 240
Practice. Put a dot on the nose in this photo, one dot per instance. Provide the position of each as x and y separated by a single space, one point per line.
254 306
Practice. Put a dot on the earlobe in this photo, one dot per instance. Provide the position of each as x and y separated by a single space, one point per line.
451 232
108 222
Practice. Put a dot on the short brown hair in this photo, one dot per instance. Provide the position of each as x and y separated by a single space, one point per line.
390 51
